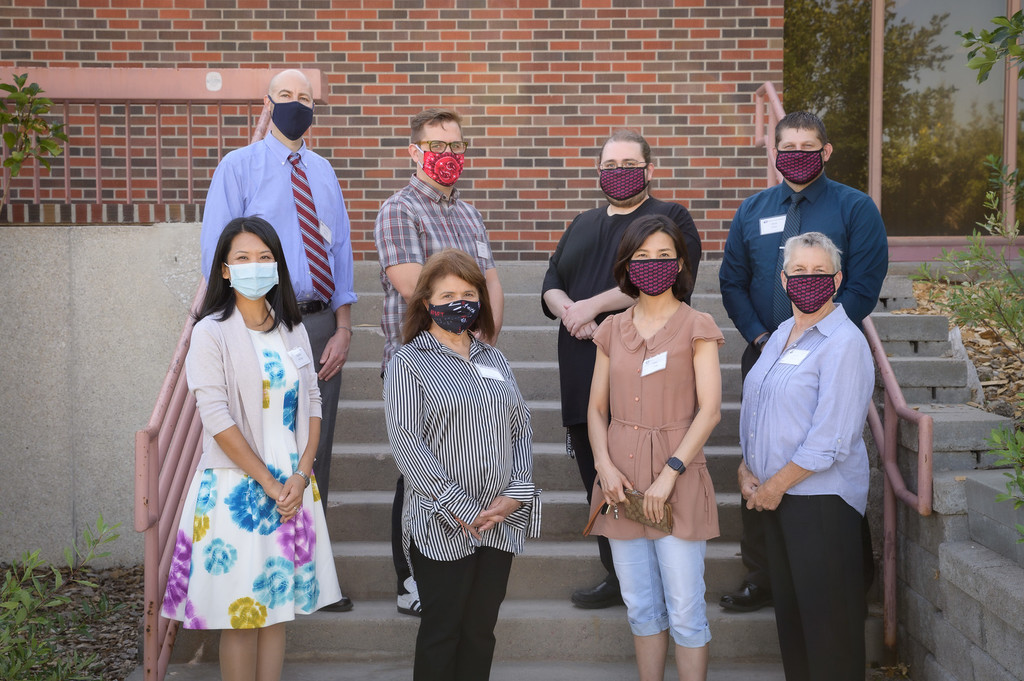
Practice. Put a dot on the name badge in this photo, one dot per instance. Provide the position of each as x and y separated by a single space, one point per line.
299 356
482 251
773 225
793 356
489 372
654 364
325 232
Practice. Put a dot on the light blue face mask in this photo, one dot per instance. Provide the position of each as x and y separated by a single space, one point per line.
253 279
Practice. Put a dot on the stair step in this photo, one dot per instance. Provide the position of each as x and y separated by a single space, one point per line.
363 421
549 570
502 670
527 630
369 466
366 515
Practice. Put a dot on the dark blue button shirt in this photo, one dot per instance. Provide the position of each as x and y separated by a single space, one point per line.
845 215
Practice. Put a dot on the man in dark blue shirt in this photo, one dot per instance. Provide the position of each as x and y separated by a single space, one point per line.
751 287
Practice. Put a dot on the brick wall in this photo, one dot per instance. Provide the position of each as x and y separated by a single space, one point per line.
540 84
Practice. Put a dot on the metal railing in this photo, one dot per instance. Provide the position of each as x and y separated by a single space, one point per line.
885 432
172 107
884 429
167 452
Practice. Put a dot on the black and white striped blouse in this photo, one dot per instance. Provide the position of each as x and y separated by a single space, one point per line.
460 433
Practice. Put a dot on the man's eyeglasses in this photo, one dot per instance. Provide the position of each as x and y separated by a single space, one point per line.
612 165
439 147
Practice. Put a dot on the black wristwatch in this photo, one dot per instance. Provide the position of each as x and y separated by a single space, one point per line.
676 465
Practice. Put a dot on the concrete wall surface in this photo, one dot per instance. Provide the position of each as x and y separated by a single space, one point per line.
91 316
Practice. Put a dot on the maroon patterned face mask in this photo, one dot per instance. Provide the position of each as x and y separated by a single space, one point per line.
810 291
623 183
654 277
443 168
800 167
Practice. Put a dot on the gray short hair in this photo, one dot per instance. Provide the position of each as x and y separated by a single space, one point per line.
813 240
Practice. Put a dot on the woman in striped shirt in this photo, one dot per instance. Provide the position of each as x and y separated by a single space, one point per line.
460 434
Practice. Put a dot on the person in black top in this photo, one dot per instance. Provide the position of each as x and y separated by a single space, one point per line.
580 290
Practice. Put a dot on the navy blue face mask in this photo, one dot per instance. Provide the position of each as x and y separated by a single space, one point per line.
292 118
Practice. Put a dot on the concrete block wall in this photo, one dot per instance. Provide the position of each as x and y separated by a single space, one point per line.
960 571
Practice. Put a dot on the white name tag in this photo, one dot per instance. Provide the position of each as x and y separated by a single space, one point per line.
793 356
325 232
489 372
482 251
299 356
653 364
773 225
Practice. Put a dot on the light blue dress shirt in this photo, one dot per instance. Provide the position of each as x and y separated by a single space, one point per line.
255 181
808 403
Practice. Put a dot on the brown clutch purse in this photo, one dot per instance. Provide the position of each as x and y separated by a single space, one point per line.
633 507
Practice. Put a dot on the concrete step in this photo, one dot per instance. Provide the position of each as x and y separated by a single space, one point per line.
913 334
369 466
527 630
960 438
363 421
536 380
502 670
546 570
520 308
366 516
519 343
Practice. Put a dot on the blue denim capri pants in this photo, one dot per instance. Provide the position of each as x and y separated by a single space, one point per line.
662 583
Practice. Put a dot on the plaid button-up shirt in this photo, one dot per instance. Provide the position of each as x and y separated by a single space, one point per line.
413 224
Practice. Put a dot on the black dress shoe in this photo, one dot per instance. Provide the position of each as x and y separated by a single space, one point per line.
749 598
344 605
604 595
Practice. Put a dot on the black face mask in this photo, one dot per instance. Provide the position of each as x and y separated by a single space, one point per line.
456 316
292 118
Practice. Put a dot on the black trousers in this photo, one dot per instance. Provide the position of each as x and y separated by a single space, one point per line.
321 326
752 538
460 599
817 575
588 474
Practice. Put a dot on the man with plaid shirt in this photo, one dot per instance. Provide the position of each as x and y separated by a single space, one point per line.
423 218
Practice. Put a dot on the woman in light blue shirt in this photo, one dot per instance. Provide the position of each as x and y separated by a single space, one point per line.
805 466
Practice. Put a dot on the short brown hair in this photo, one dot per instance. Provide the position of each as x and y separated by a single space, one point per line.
440 265
635 236
433 116
801 120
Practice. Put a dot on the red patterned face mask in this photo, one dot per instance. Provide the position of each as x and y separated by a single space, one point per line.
800 167
654 277
443 168
623 183
810 291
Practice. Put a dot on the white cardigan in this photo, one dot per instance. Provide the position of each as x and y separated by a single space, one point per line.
224 374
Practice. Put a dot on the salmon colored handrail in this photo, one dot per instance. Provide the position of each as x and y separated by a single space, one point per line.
167 452
768 112
885 434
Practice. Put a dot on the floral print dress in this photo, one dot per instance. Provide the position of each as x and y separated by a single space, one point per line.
235 564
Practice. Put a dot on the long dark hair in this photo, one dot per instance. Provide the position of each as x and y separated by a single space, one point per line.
635 236
438 266
220 299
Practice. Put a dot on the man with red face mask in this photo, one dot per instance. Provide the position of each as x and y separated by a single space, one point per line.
580 290
426 217
806 201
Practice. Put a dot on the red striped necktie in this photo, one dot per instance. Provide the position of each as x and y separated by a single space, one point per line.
316 252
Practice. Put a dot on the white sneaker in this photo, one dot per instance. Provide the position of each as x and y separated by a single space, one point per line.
409 603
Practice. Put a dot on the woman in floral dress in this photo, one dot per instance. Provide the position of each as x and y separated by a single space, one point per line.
252 547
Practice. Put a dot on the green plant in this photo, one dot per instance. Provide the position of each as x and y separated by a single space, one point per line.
35 617
1010 448
984 288
986 48
26 133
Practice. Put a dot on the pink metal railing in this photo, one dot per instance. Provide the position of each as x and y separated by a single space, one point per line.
885 433
166 455
767 113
